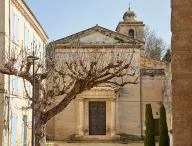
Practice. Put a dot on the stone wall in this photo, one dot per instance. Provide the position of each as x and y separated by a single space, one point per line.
152 63
182 72
62 126
127 109
152 93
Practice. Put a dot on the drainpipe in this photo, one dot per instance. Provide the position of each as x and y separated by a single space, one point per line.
8 111
9 87
141 104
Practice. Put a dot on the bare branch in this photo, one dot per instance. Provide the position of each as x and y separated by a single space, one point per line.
69 72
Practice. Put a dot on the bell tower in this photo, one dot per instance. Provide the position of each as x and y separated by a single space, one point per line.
130 26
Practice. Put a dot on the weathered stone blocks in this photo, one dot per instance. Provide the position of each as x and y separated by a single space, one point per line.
182 72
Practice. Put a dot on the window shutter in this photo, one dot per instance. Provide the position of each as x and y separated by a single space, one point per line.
14 130
15 28
26 38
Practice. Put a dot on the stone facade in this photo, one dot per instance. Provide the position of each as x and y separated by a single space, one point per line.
182 72
19 29
125 108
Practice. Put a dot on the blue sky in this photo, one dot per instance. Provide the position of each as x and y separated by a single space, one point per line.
65 17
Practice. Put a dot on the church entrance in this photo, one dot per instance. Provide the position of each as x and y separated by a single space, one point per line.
97 118
96 114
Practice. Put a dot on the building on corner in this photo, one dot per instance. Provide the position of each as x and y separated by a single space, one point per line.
19 29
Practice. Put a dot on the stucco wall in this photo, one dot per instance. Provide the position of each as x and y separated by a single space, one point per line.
152 93
65 123
128 115
124 28
128 110
128 105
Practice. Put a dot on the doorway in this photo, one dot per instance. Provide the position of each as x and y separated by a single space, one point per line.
97 118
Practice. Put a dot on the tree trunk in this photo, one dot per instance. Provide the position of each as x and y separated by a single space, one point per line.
40 133
40 136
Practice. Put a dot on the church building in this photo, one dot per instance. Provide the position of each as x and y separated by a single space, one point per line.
104 113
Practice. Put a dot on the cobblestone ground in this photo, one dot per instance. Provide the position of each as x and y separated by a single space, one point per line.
93 144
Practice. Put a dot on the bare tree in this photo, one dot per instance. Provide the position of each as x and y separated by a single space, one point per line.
154 45
68 74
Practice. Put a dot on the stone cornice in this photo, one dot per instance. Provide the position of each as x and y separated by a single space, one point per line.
152 72
98 46
98 92
28 14
132 23
137 23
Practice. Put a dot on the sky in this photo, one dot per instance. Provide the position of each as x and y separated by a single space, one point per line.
61 18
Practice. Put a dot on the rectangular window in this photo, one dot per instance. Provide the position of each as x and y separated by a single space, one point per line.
26 37
14 130
24 131
41 50
15 28
15 84
34 43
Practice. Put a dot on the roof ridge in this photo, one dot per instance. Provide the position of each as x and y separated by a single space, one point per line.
92 28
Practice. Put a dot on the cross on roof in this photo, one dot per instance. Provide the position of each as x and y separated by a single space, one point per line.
130 2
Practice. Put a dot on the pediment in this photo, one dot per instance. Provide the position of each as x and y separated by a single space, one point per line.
97 35
97 38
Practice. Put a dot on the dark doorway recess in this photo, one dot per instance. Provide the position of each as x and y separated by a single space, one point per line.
97 118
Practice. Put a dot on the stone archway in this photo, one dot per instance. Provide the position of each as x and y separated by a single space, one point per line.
182 72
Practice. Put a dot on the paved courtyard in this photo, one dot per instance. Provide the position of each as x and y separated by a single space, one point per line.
93 144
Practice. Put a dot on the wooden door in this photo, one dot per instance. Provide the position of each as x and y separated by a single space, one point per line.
156 126
97 118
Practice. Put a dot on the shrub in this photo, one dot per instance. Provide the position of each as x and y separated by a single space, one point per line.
163 129
150 130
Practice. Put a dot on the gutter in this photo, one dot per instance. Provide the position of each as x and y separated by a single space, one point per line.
141 103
